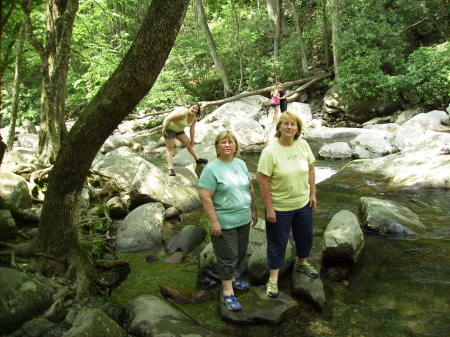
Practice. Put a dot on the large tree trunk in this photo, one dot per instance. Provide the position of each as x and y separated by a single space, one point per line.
276 39
16 92
326 35
335 35
238 41
54 67
300 39
58 240
212 47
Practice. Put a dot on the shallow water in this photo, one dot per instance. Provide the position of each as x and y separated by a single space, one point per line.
400 286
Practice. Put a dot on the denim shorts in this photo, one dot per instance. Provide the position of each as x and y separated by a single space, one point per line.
172 134
301 222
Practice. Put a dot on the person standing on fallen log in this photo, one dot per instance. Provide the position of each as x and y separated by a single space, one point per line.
173 128
275 104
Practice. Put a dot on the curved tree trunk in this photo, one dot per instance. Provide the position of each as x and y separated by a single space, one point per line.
212 47
57 240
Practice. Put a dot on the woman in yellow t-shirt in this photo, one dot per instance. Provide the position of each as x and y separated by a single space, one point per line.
173 127
286 178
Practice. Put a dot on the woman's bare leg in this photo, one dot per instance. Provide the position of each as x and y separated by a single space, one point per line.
170 144
184 139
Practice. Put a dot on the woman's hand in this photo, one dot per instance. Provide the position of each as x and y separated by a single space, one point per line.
254 218
271 215
216 229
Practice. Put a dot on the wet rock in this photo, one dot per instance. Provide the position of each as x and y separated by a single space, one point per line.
257 269
21 299
117 208
338 272
181 295
172 212
152 316
309 289
94 322
112 309
388 217
177 257
186 240
141 229
343 238
257 307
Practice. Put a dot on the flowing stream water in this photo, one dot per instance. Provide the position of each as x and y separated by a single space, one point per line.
399 287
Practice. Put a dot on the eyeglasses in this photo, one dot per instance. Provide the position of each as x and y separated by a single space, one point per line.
227 143
289 124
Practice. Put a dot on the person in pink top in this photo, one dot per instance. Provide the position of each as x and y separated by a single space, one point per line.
275 104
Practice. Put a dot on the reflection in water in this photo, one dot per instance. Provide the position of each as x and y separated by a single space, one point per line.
400 286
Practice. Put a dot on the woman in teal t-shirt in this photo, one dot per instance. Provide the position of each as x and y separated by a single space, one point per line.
228 199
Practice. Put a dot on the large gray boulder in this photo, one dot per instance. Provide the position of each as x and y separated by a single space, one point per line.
309 289
150 315
20 159
343 238
151 184
21 299
8 228
338 150
257 307
141 229
435 120
257 270
425 166
373 144
29 127
30 141
407 137
388 217
94 322
186 240
14 190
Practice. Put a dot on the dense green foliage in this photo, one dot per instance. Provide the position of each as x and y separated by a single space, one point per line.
387 48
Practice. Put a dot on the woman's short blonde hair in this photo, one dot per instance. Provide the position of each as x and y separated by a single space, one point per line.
221 136
287 115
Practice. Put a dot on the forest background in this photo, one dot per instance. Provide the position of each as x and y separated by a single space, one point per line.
385 48
96 61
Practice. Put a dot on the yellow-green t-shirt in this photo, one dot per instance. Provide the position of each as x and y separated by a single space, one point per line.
288 169
179 125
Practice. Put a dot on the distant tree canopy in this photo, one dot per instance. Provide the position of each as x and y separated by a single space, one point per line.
386 48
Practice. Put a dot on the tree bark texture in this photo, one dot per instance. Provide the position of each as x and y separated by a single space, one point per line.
131 81
335 35
212 47
16 92
326 35
300 38
54 67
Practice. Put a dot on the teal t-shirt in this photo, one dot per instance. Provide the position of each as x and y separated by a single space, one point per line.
230 183
288 169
